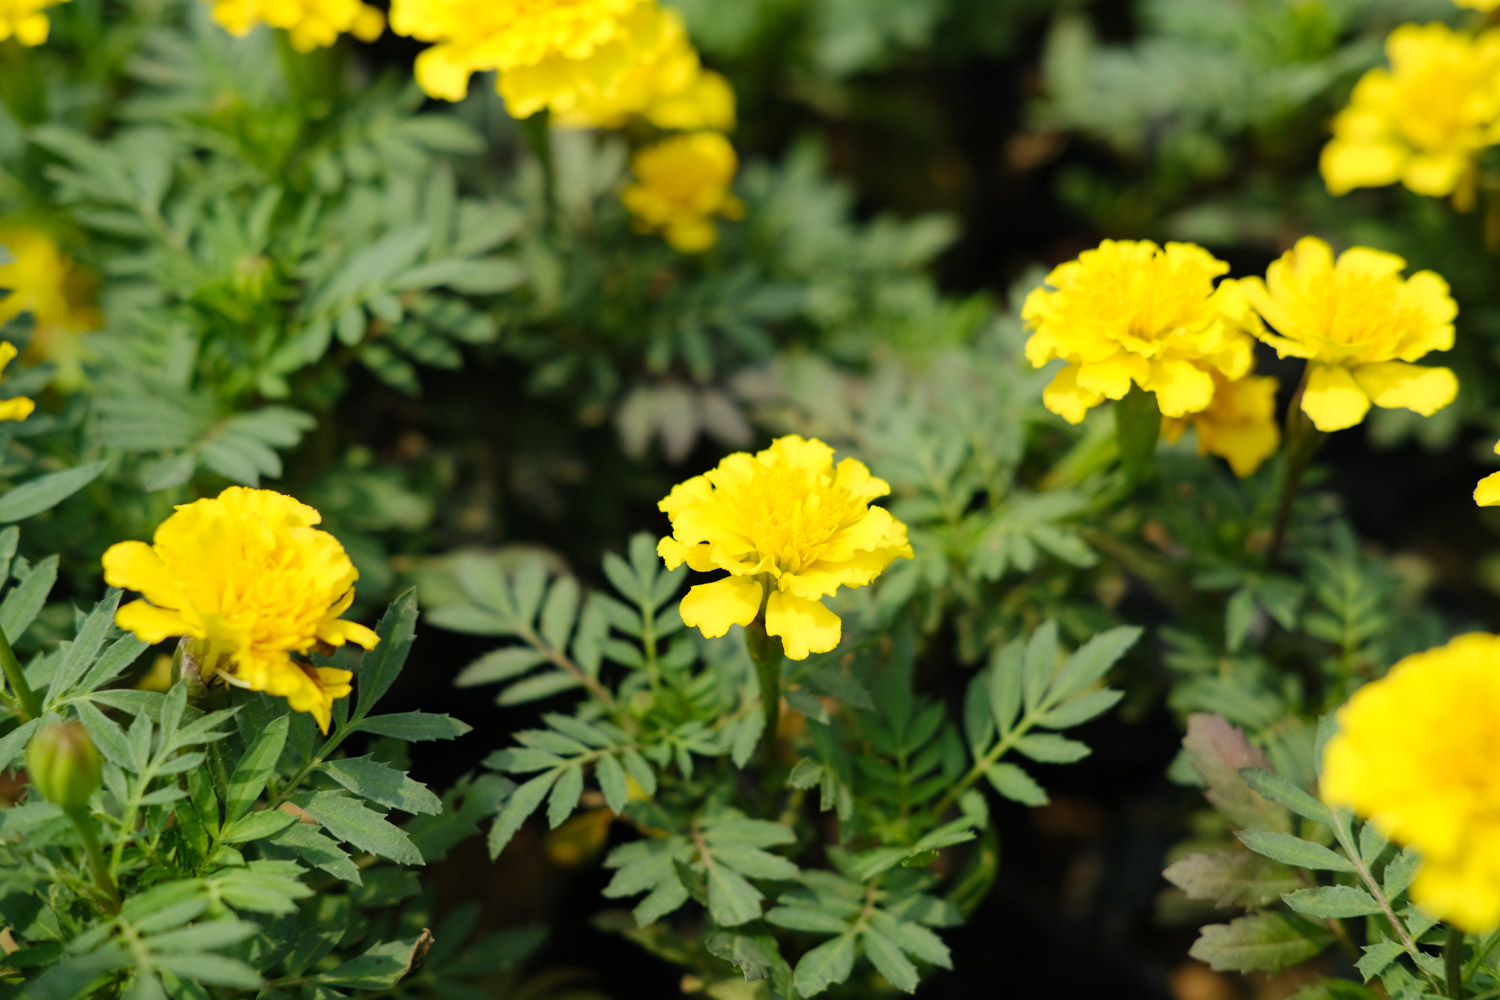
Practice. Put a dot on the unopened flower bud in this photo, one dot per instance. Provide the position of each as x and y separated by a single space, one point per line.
63 764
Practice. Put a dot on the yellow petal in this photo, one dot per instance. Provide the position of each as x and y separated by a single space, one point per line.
336 632
443 75
16 408
713 607
1347 165
1066 398
1333 399
1487 493
1392 384
1457 893
152 624
136 566
804 626
1435 175
1181 387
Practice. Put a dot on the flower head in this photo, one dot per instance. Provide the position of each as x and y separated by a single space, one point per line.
311 24
24 21
787 523
1238 426
1359 324
1418 754
39 279
1131 312
251 582
681 184
1422 121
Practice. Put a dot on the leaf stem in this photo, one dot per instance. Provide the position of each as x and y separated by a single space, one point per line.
1345 838
102 877
31 705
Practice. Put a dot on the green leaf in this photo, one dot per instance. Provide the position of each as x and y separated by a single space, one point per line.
15 741
382 966
318 850
381 665
1336 901
413 726
1092 660
565 795
1016 785
1004 685
805 918
829 963
1400 873
1232 878
611 778
107 736
502 664
1040 662
255 769
1377 956
521 804
349 820
1219 753
889 960
25 601
731 899
1294 851
84 649
47 491
1282 791
1260 942
213 970
1080 709
1050 749
256 826
378 782
559 612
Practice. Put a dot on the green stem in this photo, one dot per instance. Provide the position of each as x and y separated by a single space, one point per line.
1302 441
537 130
102 877
31 705
1453 962
766 654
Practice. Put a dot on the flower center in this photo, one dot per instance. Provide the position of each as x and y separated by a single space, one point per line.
791 515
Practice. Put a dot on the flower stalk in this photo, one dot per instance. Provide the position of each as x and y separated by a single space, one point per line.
766 654
1453 962
1302 442
108 891
31 705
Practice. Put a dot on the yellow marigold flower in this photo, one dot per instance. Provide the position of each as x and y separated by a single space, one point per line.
790 528
1478 4
550 53
1238 426
311 24
17 407
1418 755
1422 121
39 279
24 21
682 184
1487 493
1359 324
1131 312
248 578
667 85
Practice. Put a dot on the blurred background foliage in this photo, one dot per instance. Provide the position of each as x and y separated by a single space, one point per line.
310 277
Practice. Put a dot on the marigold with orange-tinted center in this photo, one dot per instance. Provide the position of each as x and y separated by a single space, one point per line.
1423 121
1418 755
310 24
1133 313
249 580
1359 324
682 186
790 528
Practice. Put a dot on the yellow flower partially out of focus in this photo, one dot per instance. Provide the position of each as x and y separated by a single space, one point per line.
252 583
1418 755
682 185
1359 324
24 21
1422 121
17 407
1487 493
39 279
666 84
1239 425
1478 4
790 528
310 24
1133 313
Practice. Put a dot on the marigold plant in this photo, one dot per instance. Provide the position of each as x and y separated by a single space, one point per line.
1134 313
681 185
249 580
1422 121
310 24
790 528
1359 324
1416 753
1239 425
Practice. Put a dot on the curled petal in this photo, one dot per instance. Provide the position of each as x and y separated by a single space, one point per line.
1393 384
713 607
1333 399
804 626
1069 400
153 624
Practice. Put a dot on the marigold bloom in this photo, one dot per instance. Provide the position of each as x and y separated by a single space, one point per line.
250 580
1422 121
1238 426
1418 755
39 279
1131 312
1359 324
311 24
550 53
790 528
682 184
24 21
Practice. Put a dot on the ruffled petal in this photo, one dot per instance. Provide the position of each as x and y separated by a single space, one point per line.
336 632
1181 387
1066 398
713 607
804 626
1393 384
136 566
1333 399
152 624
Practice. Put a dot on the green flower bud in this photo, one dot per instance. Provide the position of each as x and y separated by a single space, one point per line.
63 764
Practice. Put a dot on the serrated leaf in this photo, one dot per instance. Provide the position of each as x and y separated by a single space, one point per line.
889 961
1219 751
500 665
84 649
25 600
1092 660
521 804
1283 792
256 826
1015 784
318 850
1232 878
381 967
559 612
565 794
378 782
1294 851
731 899
378 670
1260 942
1039 664
612 782
1051 749
1376 957
1400 872
414 726
1080 709
1336 901
255 769
349 820
826 965
44 492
